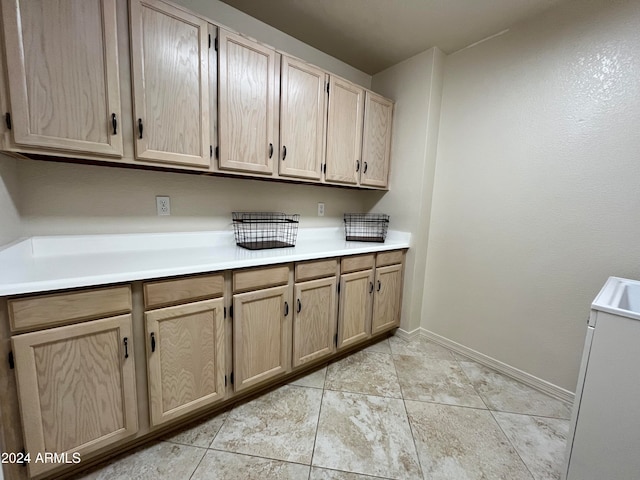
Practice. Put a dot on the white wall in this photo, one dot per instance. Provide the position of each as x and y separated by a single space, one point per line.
416 86
537 189
228 16
10 222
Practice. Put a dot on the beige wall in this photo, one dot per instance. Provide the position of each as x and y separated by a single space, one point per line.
10 223
416 86
537 197
243 23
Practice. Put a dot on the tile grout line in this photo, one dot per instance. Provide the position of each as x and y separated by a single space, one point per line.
315 438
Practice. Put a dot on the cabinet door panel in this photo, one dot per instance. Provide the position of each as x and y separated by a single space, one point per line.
344 131
314 321
354 317
303 112
185 358
63 74
388 294
170 67
76 386
246 104
261 335
376 141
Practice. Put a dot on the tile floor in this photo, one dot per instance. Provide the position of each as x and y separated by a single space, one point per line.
396 410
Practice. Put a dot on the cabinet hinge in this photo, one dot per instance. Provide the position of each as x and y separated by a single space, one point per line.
231 314
7 119
209 40
216 44
225 312
12 364
324 168
24 457
217 153
327 87
225 380
210 151
231 378
335 339
338 287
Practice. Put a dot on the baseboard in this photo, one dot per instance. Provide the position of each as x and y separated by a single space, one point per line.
405 335
524 377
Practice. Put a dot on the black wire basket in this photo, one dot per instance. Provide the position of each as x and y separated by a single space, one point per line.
366 227
262 230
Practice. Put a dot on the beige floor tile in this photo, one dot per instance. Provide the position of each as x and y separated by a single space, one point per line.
200 433
158 461
382 347
433 380
505 394
325 474
540 442
280 425
313 380
462 443
370 373
217 465
419 346
365 434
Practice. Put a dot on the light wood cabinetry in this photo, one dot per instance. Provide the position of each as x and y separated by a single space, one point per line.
185 358
63 75
303 113
76 387
376 140
170 74
247 104
386 302
354 317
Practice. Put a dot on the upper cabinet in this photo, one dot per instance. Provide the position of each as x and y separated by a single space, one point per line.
303 113
376 140
246 104
170 68
63 75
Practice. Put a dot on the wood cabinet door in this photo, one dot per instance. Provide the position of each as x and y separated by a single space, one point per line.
76 387
261 335
303 113
170 74
314 320
185 358
246 104
344 131
387 298
63 74
376 140
354 316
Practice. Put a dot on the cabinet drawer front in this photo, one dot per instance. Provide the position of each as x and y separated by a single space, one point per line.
357 262
316 269
389 258
60 308
245 280
182 290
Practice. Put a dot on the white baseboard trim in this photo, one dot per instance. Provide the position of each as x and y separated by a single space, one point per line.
524 377
405 335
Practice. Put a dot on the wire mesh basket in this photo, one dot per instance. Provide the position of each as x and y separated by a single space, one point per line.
366 227
262 230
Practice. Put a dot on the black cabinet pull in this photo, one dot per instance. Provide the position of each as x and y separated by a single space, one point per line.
357 165
284 152
379 285
370 287
140 127
126 347
153 342
286 309
270 150
365 168
114 123
299 306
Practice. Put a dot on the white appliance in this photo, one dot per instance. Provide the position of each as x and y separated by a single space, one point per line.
604 439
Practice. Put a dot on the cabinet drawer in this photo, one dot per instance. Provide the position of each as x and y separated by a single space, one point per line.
389 258
255 278
357 262
182 290
59 308
316 269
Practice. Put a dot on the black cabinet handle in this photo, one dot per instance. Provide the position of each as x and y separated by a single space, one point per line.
299 306
153 342
365 168
286 309
270 150
140 127
370 287
379 285
114 123
284 152
126 347
357 165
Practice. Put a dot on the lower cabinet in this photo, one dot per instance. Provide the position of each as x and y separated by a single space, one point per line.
354 317
387 298
76 387
185 358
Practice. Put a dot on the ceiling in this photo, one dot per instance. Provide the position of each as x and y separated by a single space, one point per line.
372 35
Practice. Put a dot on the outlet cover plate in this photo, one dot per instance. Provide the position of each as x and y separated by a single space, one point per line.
163 205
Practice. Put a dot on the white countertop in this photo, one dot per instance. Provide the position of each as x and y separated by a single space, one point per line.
41 264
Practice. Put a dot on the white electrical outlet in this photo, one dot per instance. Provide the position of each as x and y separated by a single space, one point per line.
163 205
321 209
